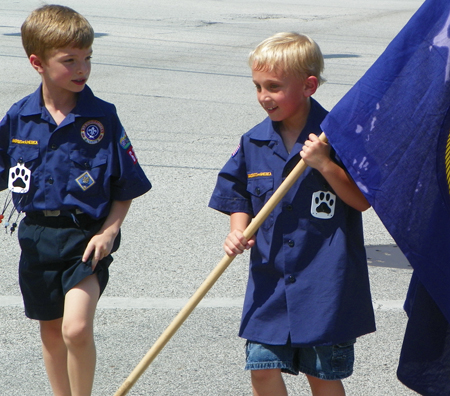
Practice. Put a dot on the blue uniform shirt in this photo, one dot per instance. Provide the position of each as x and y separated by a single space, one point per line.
84 163
308 276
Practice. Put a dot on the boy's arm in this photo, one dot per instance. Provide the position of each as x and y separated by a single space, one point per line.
236 243
316 154
101 244
4 158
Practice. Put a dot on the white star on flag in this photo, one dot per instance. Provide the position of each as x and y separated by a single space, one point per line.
442 40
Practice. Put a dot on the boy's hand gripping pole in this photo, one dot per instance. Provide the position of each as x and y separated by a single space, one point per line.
212 278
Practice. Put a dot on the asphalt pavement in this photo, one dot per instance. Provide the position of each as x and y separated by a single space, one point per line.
177 73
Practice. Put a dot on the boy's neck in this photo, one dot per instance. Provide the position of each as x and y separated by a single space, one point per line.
59 106
291 129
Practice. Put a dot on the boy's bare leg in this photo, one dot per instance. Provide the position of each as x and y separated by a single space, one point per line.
55 356
268 383
78 334
320 387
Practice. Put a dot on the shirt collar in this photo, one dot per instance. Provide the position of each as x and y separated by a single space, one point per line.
268 129
265 131
33 105
86 105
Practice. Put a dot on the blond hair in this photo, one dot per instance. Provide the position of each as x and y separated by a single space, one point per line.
291 53
52 27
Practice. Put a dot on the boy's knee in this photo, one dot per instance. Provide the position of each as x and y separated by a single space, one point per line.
77 333
268 375
50 330
321 387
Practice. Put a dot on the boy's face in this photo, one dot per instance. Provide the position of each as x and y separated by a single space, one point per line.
284 97
64 69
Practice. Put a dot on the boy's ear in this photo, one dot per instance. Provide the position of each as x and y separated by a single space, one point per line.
36 62
311 85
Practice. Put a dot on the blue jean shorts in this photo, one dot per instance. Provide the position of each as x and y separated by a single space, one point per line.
330 362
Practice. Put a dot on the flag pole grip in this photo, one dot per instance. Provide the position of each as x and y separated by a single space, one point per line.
212 278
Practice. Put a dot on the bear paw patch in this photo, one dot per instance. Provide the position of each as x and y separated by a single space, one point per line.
323 204
19 179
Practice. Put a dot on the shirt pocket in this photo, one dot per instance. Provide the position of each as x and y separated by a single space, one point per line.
261 189
21 153
87 174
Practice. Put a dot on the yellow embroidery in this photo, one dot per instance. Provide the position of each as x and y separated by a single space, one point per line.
30 142
252 175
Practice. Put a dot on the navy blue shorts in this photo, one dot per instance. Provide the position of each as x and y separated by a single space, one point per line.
329 362
50 262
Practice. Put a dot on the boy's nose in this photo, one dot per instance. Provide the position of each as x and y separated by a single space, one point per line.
83 68
264 97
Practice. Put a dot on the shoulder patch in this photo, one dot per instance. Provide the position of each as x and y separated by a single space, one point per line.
132 155
124 141
236 150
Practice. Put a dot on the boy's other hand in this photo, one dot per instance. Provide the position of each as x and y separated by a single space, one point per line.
99 247
236 243
316 153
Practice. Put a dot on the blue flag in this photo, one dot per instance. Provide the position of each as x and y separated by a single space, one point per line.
391 131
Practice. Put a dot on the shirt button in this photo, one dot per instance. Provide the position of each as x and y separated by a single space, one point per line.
53 146
50 180
291 243
291 279
257 190
289 208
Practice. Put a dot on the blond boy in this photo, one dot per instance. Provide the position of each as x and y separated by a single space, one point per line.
308 295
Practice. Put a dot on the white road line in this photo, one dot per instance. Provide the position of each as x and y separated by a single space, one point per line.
178 303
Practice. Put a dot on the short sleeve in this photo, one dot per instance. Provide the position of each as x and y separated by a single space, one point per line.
230 194
129 179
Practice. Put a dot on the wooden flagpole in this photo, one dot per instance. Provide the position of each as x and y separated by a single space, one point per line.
212 278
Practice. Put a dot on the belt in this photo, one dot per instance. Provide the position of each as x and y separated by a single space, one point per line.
56 213
60 218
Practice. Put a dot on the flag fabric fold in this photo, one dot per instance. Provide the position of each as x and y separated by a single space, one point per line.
391 131
424 360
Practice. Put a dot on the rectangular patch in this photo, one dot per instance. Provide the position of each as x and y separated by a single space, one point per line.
260 174
29 142
131 153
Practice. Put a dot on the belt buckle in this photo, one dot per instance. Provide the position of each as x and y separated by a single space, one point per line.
51 213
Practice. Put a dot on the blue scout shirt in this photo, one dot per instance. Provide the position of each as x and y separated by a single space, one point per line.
84 163
308 277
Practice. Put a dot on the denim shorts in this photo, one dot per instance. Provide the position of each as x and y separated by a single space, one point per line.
330 362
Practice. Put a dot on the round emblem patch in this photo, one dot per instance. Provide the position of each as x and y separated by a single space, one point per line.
92 131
